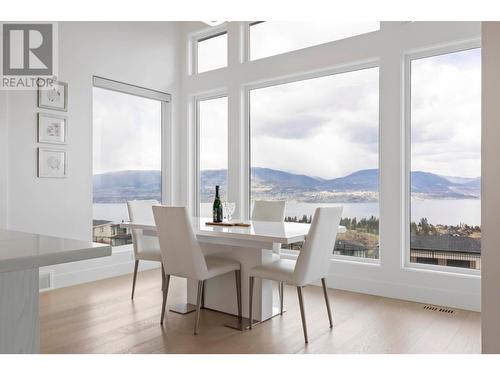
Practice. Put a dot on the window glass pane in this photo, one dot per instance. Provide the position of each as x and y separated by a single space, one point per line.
272 38
212 53
212 123
126 159
446 160
315 143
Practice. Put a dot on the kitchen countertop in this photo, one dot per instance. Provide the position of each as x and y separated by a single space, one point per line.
20 250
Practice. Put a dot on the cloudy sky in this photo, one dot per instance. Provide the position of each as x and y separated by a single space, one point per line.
325 127
126 132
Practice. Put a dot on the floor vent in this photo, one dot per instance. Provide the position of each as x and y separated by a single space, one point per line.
439 309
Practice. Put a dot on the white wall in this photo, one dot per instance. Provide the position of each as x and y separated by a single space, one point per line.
139 53
387 47
490 206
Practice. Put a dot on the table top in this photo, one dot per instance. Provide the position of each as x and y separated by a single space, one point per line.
20 250
262 231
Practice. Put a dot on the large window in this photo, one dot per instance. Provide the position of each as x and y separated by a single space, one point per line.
315 143
211 52
127 133
273 38
213 142
446 159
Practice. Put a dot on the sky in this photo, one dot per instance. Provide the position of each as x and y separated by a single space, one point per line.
324 127
126 132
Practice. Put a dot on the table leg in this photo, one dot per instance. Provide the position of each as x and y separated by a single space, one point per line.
220 292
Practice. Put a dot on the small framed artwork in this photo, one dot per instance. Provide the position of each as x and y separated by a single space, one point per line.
54 97
52 128
52 163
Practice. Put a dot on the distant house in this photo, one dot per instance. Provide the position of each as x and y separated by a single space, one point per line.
110 233
446 250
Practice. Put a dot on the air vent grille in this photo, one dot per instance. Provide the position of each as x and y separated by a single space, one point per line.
439 309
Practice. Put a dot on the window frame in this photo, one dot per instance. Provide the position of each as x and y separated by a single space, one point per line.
304 76
200 36
408 57
197 140
165 99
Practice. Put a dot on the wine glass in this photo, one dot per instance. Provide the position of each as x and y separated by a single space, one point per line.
229 208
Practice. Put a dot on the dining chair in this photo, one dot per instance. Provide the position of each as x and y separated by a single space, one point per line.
311 265
268 211
179 245
145 247
273 211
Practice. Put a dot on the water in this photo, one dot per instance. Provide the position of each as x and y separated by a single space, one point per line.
451 212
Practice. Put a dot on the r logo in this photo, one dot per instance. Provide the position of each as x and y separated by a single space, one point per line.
27 49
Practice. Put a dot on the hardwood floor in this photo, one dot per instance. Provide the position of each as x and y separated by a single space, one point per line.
99 317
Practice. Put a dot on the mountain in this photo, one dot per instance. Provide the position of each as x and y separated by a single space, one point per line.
364 180
283 179
360 186
121 186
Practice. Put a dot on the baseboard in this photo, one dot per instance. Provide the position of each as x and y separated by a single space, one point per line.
407 292
121 262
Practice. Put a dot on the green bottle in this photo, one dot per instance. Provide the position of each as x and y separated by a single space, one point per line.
217 207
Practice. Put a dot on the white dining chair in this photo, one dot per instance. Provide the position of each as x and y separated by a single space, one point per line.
145 247
179 245
311 265
273 211
269 211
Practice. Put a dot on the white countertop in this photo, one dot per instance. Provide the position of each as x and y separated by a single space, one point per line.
20 250
263 231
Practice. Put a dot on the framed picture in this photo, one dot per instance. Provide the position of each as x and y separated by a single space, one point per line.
52 163
52 128
54 97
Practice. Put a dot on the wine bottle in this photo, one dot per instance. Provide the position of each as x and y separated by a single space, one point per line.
217 207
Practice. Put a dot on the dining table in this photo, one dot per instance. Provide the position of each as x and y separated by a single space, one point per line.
251 245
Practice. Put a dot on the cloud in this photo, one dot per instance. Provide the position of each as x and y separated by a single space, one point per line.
446 114
298 126
326 127
126 131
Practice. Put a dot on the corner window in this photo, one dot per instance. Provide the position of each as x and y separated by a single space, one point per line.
211 52
127 155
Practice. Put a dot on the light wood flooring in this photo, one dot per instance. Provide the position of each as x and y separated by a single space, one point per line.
99 317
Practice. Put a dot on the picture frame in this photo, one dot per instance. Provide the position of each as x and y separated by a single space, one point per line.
52 128
52 163
54 97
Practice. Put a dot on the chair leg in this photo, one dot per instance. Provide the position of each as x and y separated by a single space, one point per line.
166 281
250 300
162 277
325 292
136 267
198 305
302 312
203 296
281 297
237 276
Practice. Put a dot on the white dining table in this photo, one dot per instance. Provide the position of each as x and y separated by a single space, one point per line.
251 246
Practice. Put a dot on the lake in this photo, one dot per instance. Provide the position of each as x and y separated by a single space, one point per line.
451 212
